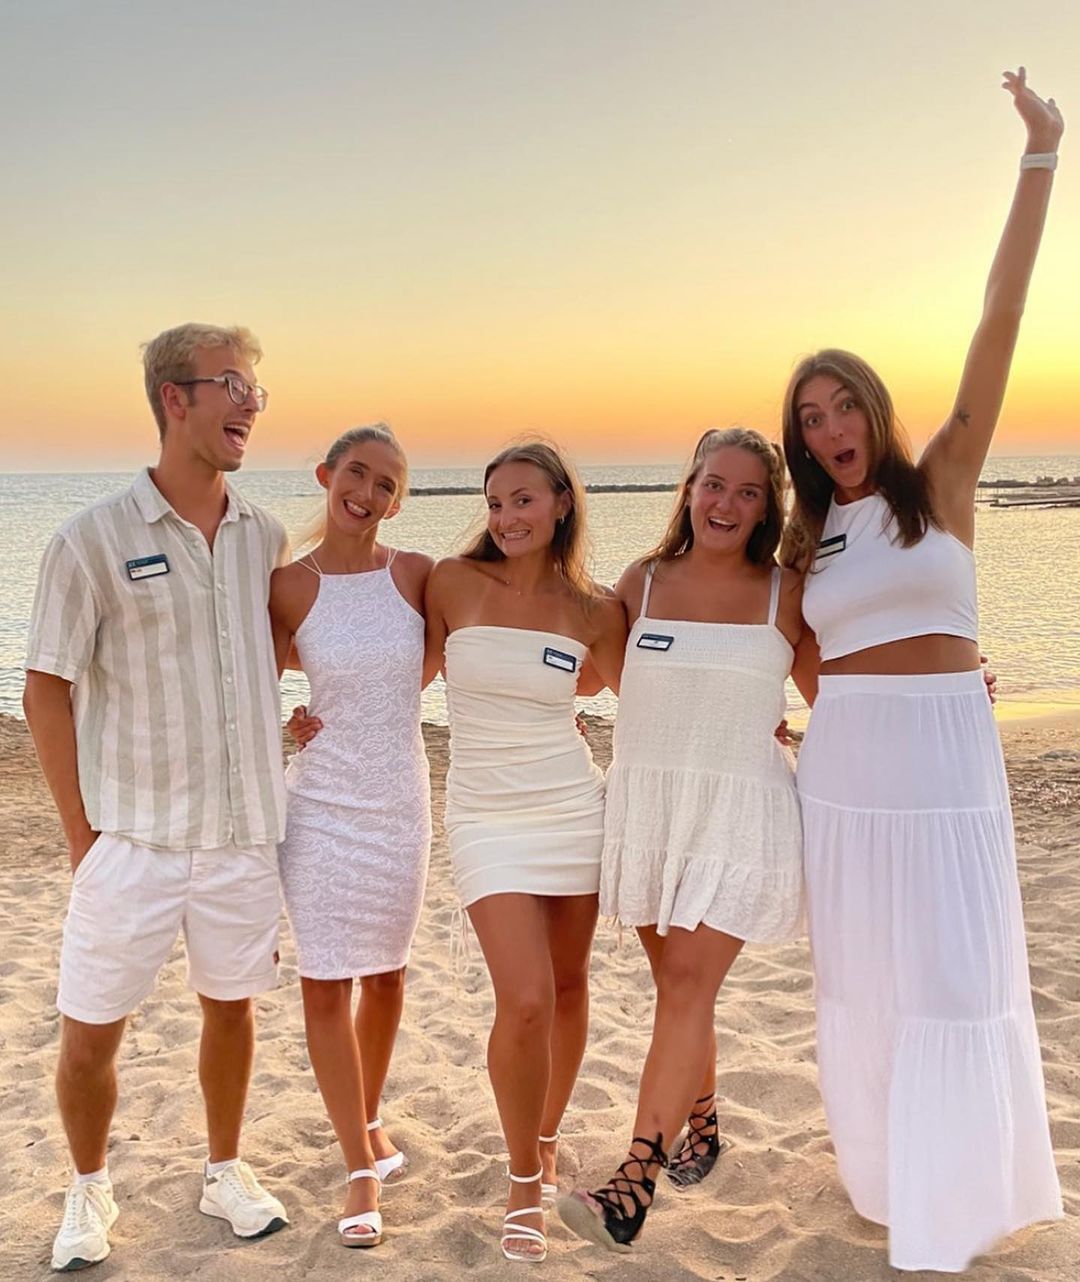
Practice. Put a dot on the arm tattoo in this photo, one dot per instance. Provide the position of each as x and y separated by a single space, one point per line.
962 416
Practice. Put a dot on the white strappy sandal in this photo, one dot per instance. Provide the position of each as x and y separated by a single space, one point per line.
549 1192
392 1165
371 1220
515 1232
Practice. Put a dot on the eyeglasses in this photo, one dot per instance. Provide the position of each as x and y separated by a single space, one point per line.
239 390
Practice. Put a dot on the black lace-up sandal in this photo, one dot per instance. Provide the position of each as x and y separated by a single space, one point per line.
700 1148
602 1215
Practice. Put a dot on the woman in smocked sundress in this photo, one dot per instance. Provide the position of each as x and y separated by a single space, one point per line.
702 840
354 859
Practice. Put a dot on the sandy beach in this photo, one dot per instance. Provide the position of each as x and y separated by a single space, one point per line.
774 1209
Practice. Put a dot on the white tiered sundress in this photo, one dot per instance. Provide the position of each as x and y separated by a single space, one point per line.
524 800
358 821
702 823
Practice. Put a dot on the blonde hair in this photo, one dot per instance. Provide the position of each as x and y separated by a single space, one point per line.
761 547
569 545
315 531
170 358
891 470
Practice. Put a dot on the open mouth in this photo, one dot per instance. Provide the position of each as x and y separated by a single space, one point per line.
355 509
514 536
844 458
725 527
236 434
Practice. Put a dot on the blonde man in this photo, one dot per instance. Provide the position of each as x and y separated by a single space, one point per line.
152 698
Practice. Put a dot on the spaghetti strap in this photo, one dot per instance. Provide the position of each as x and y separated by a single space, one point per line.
774 595
391 553
313 567
648 589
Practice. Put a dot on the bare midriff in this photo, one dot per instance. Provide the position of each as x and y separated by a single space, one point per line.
913 656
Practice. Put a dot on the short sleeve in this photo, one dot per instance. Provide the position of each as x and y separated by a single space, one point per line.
63 624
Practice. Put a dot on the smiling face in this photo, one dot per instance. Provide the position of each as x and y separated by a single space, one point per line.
523 509
202 416
728 499
363 487
836 431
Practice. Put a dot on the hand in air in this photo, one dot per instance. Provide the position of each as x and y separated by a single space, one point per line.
301 727
1043 120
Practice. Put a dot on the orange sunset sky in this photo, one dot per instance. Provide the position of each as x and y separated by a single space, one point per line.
610 221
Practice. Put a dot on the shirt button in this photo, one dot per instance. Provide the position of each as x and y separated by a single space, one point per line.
232 725
224 632
228 681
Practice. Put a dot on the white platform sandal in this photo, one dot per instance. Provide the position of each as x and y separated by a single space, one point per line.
371 1220
549 1192
516 1232
395 1165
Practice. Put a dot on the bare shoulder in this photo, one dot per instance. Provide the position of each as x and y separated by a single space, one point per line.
791 586
416 566
448 575
631 585
293 589
608 611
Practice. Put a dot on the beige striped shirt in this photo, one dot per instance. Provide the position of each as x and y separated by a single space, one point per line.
175 686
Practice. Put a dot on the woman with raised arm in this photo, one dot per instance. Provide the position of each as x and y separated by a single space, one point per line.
517 615
355 854
927 1046
702 845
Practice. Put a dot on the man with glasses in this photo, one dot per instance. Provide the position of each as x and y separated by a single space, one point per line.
152 698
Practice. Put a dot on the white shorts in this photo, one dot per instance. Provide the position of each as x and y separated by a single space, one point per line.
128 903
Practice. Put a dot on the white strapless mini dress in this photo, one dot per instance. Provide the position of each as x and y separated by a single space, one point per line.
524 799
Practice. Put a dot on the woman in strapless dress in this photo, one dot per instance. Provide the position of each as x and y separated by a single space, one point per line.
518 619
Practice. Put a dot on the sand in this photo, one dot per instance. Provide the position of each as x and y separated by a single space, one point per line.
774 1209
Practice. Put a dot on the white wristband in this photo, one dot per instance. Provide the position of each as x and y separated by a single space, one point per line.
1039 160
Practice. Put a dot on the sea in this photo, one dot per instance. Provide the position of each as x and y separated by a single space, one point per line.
1028 562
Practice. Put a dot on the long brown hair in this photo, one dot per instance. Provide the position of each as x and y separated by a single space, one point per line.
761 548
891 470
569 545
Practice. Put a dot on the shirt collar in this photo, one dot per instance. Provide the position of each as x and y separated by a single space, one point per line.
153 504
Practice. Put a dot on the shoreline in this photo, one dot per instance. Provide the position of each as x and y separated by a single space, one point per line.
774 1211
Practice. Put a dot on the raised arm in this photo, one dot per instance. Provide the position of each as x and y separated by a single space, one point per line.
955 456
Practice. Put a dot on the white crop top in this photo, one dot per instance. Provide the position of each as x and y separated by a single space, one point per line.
866 589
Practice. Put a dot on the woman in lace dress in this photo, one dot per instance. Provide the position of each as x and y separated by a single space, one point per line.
702 839
354 859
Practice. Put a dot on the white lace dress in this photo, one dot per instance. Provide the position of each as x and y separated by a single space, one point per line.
702 819
358 824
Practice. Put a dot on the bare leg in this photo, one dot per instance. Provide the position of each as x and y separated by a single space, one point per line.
513 933
686 1166
226 1053
691 968
571 922
335 1057
378 1015
86 1088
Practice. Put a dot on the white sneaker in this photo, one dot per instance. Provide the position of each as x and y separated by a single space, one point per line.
89 1214
234 1194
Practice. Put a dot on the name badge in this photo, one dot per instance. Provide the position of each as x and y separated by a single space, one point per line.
830 547
147 566
557 659
654 641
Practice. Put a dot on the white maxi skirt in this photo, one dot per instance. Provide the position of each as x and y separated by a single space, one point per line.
927 1049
